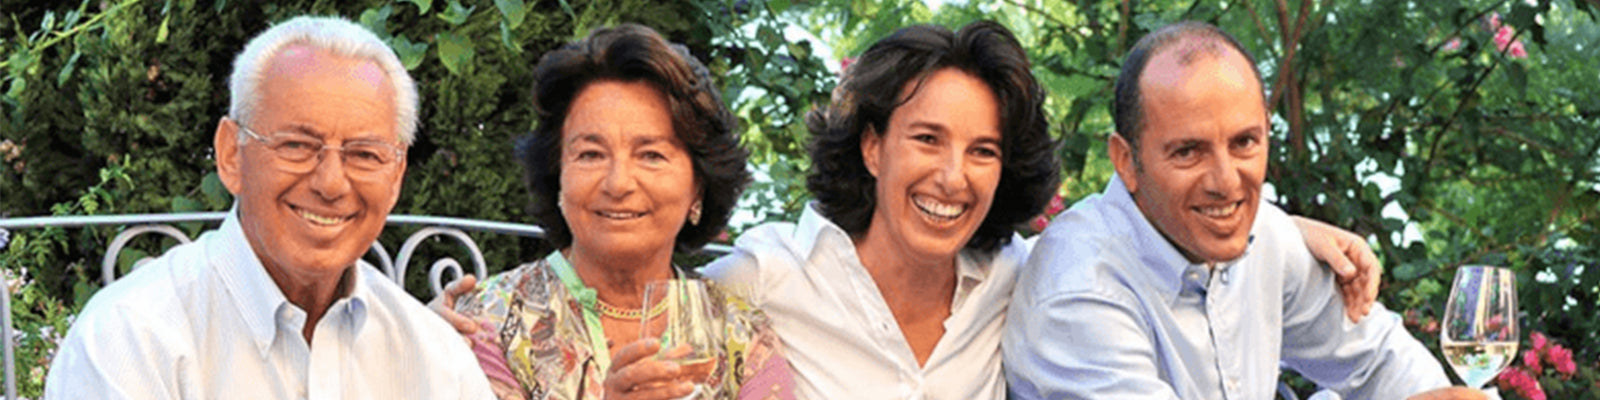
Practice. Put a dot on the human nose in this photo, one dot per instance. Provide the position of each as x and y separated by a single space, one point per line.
328 178
1223 177
952 175
619 180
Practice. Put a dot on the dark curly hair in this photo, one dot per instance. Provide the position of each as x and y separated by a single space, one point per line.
635 53
870 92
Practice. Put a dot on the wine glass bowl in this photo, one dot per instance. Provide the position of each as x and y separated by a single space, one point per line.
681 313
1479 333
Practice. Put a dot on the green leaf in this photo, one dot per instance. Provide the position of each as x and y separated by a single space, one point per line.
161 33
66 70
422 5
377 20
216 193
184 204
49 21
410 53
127 258
514 12
455 51
507 39
455 14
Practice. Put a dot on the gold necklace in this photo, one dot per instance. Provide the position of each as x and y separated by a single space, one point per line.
612 311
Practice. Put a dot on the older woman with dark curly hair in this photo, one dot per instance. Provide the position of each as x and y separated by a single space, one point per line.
894 283
635 156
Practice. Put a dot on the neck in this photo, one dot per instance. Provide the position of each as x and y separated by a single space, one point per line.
313 293
619 279
904 276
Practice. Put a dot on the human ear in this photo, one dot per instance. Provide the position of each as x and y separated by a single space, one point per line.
871 147
226 145
1121 153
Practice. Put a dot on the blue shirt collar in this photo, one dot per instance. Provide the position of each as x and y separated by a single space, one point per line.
1166 263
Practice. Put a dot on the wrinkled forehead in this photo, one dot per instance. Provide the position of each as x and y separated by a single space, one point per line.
299 59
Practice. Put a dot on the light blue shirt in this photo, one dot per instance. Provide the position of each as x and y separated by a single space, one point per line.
205 321
1107 308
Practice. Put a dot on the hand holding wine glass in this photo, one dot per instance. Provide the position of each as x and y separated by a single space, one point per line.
1479 333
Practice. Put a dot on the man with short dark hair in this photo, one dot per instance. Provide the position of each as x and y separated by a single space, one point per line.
1179 281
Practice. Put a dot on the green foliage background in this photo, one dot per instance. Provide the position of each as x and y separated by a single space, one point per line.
1444 154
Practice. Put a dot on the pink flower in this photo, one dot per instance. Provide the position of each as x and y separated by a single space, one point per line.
1530 358
1502 37
1522 382
844 64
1494 21
1561 359
1538 340
1056 205
1039 223
1517 51
1452 45
1431 327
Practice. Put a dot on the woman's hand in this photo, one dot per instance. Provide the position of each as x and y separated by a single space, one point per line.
637 375
1350 258
445 304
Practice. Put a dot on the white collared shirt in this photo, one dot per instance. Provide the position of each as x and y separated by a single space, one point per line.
205 321
837 330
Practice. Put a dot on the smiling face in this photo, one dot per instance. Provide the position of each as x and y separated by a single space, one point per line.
1202 154
307 226
627 181
937 166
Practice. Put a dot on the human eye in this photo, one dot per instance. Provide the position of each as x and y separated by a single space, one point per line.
1247 141
587 155
928 138
296 147
1185 153
986 151
368 153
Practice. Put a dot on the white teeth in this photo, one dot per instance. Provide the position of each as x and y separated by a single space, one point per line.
615 215
321 220
938 209
1219 212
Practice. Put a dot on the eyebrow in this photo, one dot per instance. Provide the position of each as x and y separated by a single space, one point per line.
935 126
586 137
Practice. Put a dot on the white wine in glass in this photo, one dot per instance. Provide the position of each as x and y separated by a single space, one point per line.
1479 333
681 313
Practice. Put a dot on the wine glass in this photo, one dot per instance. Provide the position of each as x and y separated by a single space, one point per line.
681 313
1479 332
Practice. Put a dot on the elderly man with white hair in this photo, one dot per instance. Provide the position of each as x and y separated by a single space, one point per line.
276 303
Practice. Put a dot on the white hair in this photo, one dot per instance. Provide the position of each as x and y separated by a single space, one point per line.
336 35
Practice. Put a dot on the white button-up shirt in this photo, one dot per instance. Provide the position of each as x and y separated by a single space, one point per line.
838 332
205 321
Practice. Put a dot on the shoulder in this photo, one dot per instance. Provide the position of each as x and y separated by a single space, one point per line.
144 310
1080 253
761 257
148 300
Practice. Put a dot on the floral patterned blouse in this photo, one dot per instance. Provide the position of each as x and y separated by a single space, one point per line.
535 345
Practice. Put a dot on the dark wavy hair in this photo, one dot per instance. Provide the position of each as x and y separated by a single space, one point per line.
1127 109
635 53
870 92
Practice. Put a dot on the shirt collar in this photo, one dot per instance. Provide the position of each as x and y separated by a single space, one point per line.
811 227
1165 263
259 300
